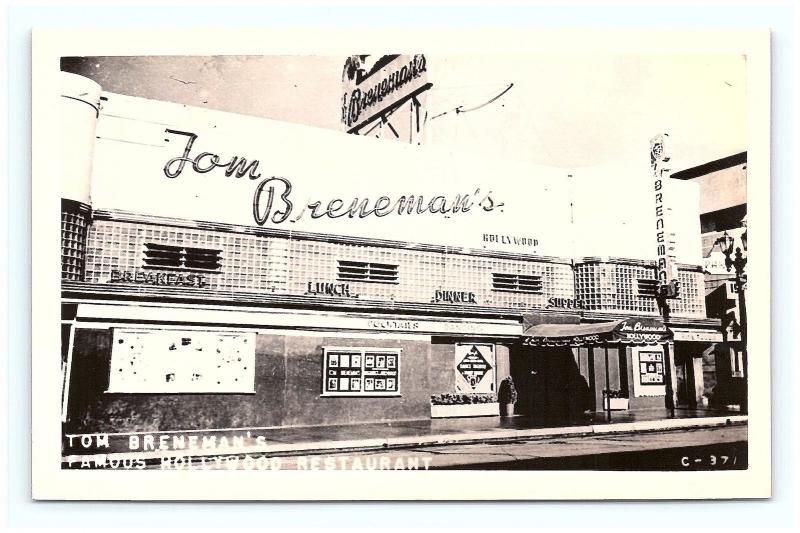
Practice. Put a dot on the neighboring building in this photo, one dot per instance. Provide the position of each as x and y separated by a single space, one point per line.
723 212
203 288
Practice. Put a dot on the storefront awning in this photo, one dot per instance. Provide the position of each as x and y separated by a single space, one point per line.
635 331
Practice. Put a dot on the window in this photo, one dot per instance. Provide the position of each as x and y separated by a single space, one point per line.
647 287
361 372
651 368
370 272
175 361
181 258
516 283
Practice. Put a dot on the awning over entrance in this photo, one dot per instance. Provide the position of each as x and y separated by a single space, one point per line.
635 331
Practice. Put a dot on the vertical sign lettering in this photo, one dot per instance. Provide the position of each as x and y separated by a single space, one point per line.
665 238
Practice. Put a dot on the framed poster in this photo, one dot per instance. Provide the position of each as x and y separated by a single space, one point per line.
475 368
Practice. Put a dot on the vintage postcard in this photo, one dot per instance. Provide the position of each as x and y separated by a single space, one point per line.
400 264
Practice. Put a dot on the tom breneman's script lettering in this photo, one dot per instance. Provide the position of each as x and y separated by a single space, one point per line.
272 199
643 332
360 100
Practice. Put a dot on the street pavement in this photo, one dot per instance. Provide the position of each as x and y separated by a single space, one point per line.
696 449
469 442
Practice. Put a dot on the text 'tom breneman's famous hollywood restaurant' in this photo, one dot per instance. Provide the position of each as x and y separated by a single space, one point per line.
226 271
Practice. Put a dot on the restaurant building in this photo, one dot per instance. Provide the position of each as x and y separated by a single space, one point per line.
226 271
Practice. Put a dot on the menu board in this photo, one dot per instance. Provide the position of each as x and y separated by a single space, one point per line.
177 361
651 368
361 371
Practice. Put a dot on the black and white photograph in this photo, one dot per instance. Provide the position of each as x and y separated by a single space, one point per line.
533 261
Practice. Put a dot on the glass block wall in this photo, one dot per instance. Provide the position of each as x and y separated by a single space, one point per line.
74 220
246 263
252 263
692 301
613 286
282 265
422 273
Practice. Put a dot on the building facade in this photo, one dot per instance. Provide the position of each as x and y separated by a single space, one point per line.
202 290
723 217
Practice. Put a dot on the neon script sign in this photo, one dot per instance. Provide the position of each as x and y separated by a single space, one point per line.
273 200
361 101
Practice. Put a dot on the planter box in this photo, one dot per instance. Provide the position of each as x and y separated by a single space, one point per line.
617 404
469 409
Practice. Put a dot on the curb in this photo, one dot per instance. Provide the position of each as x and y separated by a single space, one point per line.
415 441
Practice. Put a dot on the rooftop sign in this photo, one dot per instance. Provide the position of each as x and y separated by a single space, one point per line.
392 81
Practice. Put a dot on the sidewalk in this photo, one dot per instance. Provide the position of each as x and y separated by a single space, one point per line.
357 437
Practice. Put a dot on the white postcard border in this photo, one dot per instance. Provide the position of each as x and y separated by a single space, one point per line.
50 482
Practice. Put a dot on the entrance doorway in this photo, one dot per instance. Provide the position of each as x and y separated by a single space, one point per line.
686 380
682 389
550 384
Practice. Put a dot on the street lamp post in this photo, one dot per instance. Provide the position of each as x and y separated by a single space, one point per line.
663 296
737 261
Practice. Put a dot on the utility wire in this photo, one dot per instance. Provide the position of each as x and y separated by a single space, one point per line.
460 109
